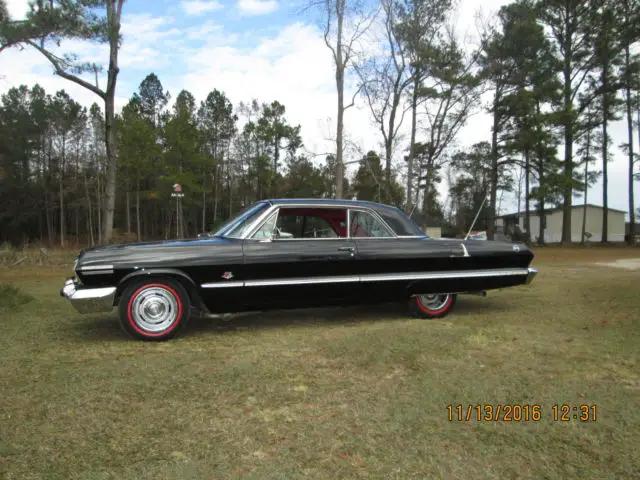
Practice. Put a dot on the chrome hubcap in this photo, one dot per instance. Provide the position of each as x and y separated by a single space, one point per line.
154 309
434 301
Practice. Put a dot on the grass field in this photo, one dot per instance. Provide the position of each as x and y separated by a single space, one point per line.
342 393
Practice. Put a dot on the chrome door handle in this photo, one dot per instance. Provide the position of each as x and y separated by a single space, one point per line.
351 250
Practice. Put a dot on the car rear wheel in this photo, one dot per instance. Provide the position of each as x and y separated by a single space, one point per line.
154 309
432 305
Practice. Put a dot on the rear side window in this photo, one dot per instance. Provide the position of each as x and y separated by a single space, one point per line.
401 224
364 224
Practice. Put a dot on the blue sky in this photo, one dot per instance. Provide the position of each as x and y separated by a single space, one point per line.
264 49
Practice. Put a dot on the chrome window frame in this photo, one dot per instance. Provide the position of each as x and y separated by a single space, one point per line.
259 222
376 216
242 237
274 212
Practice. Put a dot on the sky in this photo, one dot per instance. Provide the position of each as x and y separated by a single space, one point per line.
264 49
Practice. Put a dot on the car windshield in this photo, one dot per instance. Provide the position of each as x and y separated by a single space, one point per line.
238 225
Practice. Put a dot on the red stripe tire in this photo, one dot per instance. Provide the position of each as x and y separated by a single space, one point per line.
154 309
432 305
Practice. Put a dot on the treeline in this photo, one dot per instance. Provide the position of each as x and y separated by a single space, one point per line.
552 74
53 165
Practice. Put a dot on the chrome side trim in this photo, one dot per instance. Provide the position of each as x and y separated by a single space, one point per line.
384 277
302 281
532 272
95 267
88 300
97 272
223 285
501 272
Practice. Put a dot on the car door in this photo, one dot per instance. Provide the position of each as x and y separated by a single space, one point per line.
298 258
387 263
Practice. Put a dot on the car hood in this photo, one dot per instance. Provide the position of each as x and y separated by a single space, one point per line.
152 252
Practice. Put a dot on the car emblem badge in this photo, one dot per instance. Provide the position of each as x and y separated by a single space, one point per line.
516 248
227 275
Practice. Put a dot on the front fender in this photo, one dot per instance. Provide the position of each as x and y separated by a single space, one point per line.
155 271
185 279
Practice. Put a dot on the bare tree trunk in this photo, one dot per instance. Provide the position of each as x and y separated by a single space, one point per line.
520 178
493 182
114 11
339 133
586 190
61 191
47 208
541 201
204 211
215 196
340 67
128 212
414 108
632 216
568 154
527 210
110 181
230 174
77 224
605 153
99 205
425 198
89 209
138 212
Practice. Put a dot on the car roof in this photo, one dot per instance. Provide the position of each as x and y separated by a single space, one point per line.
326 201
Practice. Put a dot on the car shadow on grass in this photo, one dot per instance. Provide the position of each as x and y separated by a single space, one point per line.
106 327
467 307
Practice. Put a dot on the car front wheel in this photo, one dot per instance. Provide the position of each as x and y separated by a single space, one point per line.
155 309
432 305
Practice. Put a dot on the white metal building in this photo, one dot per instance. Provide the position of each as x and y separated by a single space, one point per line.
553 225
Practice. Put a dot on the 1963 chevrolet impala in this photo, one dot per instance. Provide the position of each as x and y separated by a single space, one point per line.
291 253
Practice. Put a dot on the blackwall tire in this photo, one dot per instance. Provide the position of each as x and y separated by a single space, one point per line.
154 309
432 306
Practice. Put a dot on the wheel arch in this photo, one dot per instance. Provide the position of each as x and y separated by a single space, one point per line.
185 280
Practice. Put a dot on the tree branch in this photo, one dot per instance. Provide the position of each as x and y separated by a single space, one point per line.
55 61
353 99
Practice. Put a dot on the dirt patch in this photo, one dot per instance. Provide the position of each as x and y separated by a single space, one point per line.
626 263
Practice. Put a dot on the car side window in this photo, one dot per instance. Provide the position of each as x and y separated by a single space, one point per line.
364 224
318 227
267 229
304 226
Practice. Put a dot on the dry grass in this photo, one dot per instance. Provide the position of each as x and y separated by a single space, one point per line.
340 393
36 256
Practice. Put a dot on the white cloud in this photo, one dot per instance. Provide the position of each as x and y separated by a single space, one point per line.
17 8
204 31
291 65
199 7
294 67
257 7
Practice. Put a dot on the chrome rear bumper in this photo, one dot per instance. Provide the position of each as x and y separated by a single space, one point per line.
531 275
88 300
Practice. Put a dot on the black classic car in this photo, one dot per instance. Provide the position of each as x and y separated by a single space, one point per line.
291 253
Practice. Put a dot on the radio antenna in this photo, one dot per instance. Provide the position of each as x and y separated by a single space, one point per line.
412 210
475 219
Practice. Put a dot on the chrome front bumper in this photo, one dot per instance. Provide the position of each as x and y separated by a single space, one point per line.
531 275
88 300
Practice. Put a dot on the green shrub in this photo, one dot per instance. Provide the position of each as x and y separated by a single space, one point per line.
12 298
